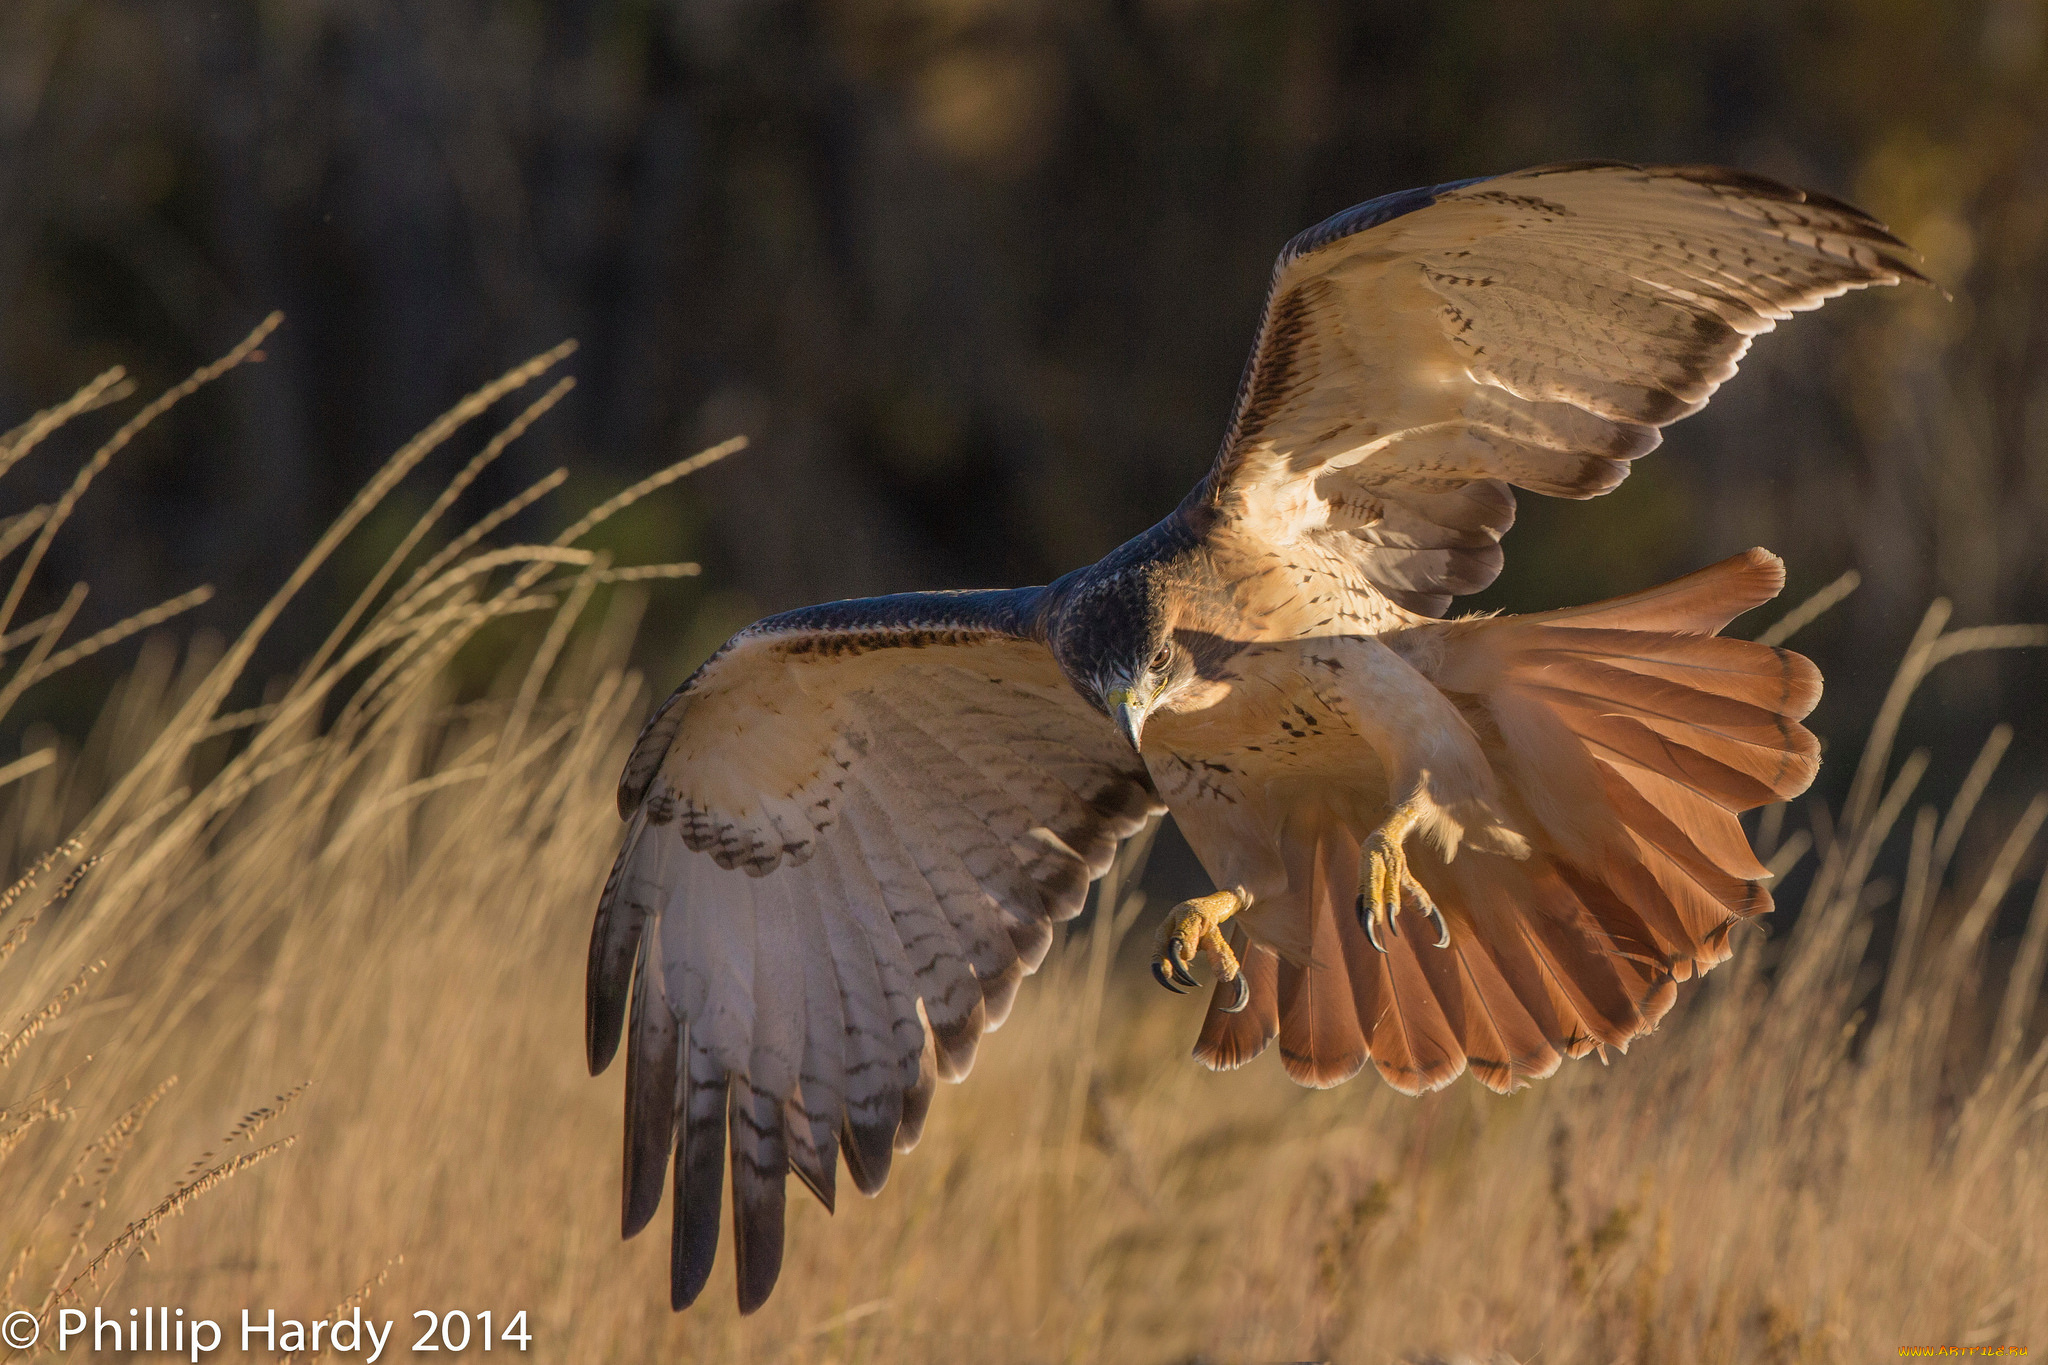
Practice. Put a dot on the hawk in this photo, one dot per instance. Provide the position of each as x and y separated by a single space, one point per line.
1483 843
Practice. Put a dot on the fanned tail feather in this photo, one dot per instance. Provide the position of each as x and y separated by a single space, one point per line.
1322 1037
1626 737
1229 1040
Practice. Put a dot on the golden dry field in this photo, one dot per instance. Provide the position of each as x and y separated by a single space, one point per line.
307 1033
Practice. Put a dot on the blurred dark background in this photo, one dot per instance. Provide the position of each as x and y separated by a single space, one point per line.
978 277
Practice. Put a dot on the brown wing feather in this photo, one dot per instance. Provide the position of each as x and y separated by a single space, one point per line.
850 834
652 1072
1421 354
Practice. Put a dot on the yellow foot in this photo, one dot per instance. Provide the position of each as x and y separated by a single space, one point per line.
1192 926
1384 880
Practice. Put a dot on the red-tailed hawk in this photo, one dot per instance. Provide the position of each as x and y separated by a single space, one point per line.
850 832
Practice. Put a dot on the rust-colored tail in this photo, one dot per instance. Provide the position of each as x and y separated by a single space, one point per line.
1626 737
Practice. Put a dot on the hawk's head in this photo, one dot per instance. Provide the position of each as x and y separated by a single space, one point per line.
1113 637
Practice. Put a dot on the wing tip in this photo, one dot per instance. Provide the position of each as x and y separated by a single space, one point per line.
699 1181
955 1044
820 1177
760 1168
917 1100
604 1021
1766 565
869 1149
609 972
652 1078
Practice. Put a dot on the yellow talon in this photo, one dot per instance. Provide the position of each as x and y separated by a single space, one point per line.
1191 927
1384 879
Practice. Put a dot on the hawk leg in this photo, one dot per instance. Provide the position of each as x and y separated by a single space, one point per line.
1384 879
1193 925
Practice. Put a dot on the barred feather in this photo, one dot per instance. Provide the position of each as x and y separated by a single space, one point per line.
1534 330
832 887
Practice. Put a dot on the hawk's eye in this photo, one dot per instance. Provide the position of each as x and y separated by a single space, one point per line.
1161 659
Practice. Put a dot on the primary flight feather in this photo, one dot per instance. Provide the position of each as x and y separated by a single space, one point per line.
1488 843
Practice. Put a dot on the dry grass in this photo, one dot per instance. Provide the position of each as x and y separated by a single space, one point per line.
366 885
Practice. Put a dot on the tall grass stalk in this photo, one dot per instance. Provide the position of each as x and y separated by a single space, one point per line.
380 886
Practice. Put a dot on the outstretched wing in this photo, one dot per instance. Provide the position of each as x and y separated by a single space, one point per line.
849 835
1420 353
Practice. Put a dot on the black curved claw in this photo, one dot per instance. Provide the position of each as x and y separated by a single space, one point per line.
1435 916
1159 975
1182 976
1369 922
1242 997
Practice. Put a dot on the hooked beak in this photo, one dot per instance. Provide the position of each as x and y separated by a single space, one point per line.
1128 714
